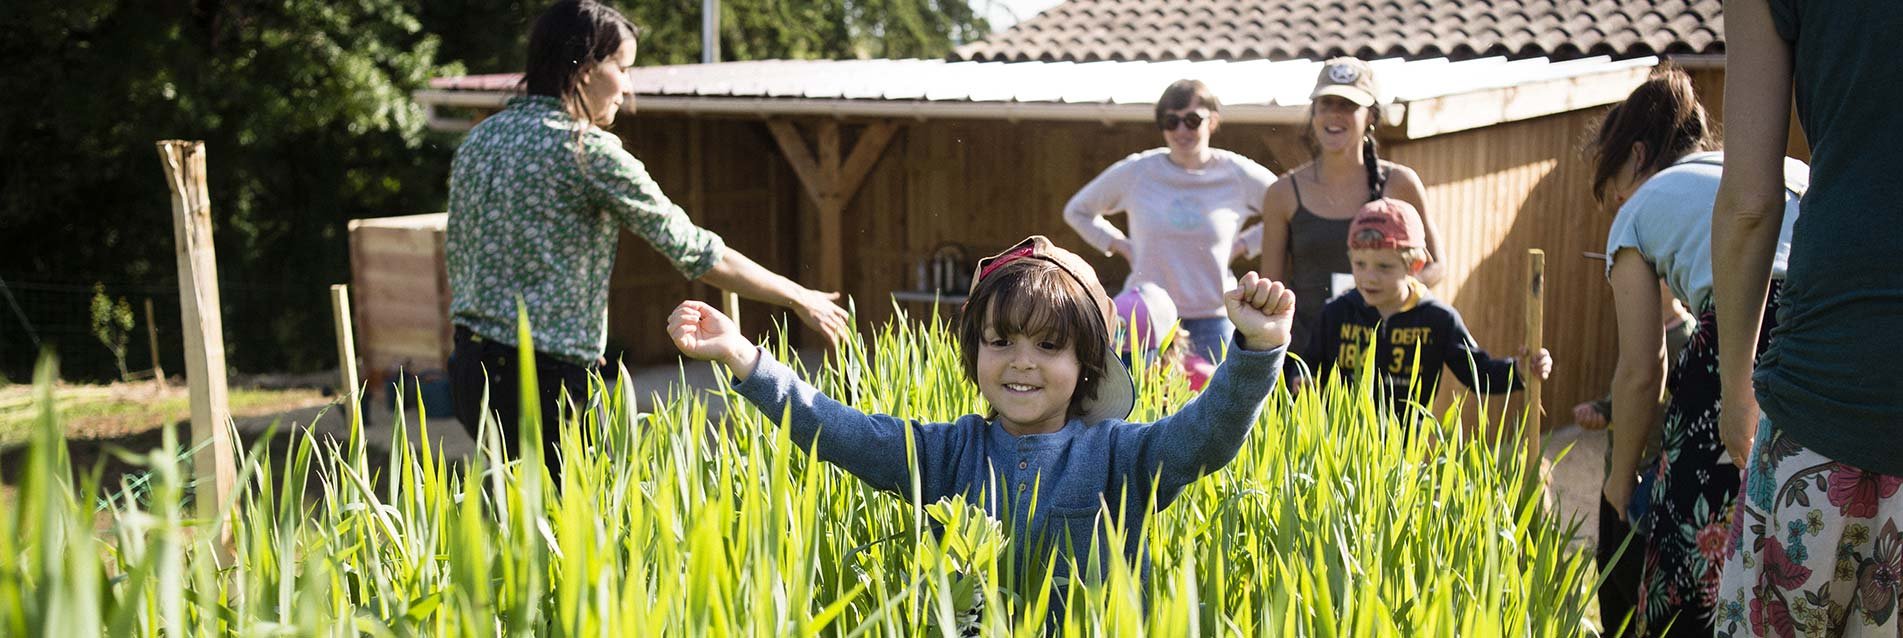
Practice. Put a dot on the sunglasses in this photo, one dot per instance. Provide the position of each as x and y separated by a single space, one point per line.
1169 122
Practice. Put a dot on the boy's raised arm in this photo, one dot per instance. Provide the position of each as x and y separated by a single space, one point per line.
1206 434
870 446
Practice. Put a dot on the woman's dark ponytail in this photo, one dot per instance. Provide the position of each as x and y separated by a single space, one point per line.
1663 115
1377 178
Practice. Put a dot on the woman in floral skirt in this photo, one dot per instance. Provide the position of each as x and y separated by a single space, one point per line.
1653 160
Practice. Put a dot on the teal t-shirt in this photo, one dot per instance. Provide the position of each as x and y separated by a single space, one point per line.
1831 378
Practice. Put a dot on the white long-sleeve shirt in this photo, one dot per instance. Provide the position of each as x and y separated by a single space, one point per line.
1183 224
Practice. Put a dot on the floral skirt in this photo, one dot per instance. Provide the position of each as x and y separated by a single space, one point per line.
1815 548
1694 483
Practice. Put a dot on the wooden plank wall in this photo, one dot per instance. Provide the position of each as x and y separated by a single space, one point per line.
1710 85
730 178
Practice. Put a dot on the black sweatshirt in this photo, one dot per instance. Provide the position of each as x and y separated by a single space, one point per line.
1349 324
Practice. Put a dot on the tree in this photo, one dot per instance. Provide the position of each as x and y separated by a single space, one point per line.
490 36
305 109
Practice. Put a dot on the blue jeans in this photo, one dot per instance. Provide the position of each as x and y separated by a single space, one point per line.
1209 337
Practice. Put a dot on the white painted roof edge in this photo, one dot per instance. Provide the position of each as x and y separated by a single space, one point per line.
680 94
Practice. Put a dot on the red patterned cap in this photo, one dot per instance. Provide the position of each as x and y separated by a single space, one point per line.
1397 222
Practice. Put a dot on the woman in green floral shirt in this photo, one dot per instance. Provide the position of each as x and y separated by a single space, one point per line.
538 194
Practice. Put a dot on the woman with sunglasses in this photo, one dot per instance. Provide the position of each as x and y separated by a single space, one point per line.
1186 204
1305 216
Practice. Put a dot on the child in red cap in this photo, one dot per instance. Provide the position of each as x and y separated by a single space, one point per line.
1411 333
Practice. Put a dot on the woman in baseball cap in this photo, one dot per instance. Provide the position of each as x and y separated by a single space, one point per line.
1305 214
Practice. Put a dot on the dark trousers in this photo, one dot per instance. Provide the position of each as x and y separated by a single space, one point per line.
1619 595
478 364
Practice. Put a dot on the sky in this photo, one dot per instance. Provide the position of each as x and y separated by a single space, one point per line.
999 11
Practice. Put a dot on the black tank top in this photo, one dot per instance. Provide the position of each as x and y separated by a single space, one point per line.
1318 248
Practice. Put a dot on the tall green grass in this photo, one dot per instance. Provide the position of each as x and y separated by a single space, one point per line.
1331 522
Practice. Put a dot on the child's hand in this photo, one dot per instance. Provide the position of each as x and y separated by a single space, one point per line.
1262 310
704 333
1587 416
1541 363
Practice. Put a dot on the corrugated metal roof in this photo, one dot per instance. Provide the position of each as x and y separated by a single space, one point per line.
1255 90
1257 82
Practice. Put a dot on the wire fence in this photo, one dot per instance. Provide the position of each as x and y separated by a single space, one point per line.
37 313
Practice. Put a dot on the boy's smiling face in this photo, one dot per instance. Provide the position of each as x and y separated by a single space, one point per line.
1029 380
1381 276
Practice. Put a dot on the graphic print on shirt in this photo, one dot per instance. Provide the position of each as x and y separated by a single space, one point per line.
1185 213
1394 350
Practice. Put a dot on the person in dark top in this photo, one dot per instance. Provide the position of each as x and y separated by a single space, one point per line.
1816 542
1411 334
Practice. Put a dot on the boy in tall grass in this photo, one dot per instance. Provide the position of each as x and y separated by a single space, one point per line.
1055 450
1412 334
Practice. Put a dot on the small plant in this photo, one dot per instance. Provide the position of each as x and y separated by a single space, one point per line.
112 326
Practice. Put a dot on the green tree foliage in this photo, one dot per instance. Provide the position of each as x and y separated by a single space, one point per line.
305 109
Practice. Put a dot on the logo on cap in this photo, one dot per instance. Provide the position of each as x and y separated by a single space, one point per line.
1343 74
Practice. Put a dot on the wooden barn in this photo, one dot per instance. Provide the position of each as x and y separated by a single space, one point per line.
877 177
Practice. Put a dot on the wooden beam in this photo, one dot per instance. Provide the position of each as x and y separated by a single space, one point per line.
796 154
1286 148
831 182
832 209
1451 113
827 141
214 468
865 154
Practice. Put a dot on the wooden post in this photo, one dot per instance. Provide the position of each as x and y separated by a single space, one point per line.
832 181
152 340
731 299
1535 340
346 352
213 469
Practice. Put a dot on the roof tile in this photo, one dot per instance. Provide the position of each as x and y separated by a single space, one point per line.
1090 30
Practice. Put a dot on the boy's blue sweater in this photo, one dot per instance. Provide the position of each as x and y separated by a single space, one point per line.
1068 470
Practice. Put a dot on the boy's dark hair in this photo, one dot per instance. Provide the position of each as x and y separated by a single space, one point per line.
568 38
1183 93
1035 297
1663 114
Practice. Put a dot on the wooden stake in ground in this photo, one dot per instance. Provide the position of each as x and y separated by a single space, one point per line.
1535 339
152 340
214 469
731 300
346 351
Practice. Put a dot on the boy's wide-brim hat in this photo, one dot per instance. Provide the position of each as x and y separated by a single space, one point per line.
1346 78
1398 223
1116 394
